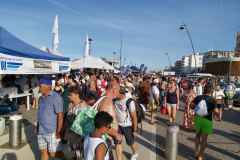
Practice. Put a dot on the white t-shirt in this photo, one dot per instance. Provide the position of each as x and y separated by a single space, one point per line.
230 87
217 94
53 83
90 145
123 114
153 90
22 82
128 94
199 89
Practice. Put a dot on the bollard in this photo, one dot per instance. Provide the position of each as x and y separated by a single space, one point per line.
15 128
171 147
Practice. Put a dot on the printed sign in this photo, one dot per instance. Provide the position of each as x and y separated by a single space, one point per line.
19 65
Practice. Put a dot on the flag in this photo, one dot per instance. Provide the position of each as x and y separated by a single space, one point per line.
87 46
55 33
145 69
141 68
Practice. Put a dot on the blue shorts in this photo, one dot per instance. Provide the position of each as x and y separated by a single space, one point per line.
220 106
127 132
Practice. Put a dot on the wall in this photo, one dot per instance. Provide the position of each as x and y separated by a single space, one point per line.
222 68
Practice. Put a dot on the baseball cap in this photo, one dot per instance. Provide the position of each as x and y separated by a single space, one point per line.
107 71
45 81
53 76
156 81
122 90
129 85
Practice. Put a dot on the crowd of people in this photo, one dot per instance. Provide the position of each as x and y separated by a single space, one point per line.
59 99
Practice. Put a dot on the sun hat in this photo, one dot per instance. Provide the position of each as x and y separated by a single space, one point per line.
129 85
156 81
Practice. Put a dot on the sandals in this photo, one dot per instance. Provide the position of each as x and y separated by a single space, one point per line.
154 124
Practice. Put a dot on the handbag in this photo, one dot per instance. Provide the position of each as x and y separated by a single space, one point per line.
83 125
69 136
164 111
219 101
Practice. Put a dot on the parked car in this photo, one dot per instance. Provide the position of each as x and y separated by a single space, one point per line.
185 83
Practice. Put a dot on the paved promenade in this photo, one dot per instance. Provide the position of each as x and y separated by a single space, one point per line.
224 144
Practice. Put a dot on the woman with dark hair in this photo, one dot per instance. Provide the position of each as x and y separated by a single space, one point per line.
75 140
71 80
58 87
188 121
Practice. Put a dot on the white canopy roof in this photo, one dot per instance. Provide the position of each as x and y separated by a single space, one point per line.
89 62
105 65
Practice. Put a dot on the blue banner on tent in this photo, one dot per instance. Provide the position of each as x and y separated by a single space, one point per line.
145 69
126 70
141 68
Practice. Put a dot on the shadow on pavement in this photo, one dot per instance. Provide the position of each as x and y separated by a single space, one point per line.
32 137
222 151
183 150
9 156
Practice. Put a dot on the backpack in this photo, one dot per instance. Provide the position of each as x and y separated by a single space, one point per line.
139 111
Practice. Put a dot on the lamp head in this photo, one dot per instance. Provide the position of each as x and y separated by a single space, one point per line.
181 27
90 39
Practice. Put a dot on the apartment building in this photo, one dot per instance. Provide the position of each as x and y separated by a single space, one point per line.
184 64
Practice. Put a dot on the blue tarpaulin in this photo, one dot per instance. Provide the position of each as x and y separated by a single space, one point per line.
11 45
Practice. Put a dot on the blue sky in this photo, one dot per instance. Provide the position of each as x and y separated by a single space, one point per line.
150 28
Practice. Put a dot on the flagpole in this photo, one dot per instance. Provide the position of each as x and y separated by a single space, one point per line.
83 55
52 43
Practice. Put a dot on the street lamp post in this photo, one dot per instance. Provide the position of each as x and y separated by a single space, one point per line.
90 40
114 59
135 65
131 63
124 61
121 51
168 60
192 48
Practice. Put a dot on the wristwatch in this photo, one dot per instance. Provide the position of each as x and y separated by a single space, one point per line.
134 130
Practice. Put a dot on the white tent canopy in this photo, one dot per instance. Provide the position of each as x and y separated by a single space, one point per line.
105 65
73 65
89 62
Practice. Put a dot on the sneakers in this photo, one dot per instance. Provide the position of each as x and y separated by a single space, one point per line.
134 156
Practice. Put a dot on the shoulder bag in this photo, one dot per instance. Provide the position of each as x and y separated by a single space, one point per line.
70 136
219 101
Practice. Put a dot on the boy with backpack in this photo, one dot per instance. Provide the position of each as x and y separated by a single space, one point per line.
94 145
127 121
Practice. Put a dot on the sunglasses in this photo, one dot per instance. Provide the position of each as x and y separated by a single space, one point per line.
109 127
70 94
42 85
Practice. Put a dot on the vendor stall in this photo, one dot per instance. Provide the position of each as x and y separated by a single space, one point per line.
18 57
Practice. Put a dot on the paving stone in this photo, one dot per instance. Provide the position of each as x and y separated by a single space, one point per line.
223 144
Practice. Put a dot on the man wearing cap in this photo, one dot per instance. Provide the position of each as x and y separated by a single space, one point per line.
129 89
154 100
50 121
127 123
